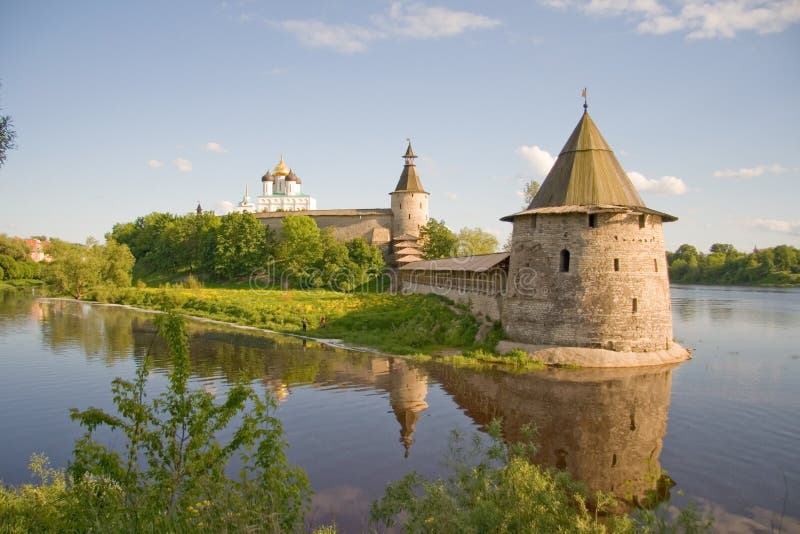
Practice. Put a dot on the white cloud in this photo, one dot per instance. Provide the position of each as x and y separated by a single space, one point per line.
154 164
451 196
520 194
345 38
183 165
774 225
666 185
540 160
404 20
751 172
699 19
223 207
214 147
417 21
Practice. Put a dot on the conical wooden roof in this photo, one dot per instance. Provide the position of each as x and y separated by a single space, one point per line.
586 173
409 181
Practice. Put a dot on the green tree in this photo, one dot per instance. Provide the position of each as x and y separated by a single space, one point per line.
300 249
473 241
529 190
723 248
241 245
76 269
438 241
367 260
7 137
169 472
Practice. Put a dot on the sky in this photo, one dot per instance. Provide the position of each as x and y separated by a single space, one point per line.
125 108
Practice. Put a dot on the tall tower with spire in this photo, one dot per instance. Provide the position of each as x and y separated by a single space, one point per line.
587 265
409 210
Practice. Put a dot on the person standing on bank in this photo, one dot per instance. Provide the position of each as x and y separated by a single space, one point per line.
305 324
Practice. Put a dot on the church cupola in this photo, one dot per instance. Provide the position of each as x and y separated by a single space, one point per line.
281 169
267 182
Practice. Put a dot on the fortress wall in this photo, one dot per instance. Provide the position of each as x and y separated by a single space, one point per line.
374 226
591 305
479 303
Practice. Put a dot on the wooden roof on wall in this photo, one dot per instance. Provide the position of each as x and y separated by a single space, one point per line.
478 264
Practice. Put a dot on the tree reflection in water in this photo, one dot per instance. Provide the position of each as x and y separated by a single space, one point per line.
604 426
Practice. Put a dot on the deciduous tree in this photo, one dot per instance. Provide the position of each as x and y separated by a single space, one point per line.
473 241
438 241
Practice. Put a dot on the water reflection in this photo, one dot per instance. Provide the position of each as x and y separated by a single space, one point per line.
226 354
603 426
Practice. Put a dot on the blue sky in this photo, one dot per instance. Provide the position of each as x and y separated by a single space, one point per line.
122 109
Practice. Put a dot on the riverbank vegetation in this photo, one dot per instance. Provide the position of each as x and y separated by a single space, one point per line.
237 246
167 473
724 265
395 324
494 487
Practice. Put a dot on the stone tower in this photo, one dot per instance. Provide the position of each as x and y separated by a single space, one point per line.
587 265
409 211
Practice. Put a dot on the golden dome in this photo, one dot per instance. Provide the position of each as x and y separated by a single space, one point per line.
280 169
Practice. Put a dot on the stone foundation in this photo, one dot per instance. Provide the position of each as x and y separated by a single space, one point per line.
587 357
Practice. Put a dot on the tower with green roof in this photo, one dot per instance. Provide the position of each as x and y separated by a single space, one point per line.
587 265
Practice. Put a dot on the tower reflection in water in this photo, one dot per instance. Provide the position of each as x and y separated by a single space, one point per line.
605 427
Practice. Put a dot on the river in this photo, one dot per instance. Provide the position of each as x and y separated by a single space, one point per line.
722 429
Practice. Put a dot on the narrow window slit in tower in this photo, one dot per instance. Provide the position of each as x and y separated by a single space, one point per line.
565 261
655 263
533 222
635 305
592 220
616 264
642 220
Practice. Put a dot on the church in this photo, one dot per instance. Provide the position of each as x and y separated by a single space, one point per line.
394 230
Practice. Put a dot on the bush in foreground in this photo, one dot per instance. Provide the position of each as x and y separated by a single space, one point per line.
168 474
496 488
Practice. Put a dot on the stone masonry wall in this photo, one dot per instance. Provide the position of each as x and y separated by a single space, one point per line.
488 305
411 212
615 294
375 228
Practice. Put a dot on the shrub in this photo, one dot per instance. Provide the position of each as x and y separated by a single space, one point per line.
168 472
495 487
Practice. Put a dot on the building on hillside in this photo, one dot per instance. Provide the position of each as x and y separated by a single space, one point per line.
394 230
280 191
587 265
36 248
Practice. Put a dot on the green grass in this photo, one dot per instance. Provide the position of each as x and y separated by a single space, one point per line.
20 283
395 324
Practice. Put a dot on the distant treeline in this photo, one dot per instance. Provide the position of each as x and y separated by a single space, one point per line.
238 246
725 265
15 261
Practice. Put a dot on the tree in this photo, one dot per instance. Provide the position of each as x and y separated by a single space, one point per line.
168 472
76 269
723 248
7 137
242 245
301 248
530 190
438 241
472 241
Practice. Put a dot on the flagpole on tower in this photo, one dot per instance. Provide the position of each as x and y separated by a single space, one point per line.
585 100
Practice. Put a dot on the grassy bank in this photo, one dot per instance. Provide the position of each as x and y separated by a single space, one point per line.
395 324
